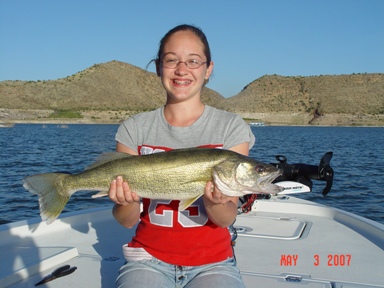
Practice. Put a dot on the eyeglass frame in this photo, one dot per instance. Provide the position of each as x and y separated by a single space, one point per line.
185 62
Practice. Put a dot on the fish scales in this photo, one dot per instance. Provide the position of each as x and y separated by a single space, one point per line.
175 175
182 178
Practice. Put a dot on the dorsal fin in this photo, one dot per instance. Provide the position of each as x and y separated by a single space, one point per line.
108 157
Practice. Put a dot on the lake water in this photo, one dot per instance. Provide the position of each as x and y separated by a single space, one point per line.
358 162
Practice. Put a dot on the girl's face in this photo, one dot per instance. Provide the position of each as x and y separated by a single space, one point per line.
183 83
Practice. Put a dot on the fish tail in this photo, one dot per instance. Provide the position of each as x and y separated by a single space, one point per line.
52 195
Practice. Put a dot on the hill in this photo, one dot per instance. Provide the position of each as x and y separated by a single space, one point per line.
357 93
109 86
356 99
112 91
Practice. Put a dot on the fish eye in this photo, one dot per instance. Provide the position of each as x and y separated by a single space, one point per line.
260 169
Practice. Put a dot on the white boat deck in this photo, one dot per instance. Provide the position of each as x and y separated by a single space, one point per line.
281 243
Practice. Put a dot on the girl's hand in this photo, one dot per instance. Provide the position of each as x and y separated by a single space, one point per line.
120 193
213 196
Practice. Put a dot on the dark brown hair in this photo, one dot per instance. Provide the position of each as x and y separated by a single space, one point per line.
184 27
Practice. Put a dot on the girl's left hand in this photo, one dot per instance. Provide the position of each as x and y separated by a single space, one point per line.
221 209
214 195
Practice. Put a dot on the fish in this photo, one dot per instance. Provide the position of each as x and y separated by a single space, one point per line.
179 174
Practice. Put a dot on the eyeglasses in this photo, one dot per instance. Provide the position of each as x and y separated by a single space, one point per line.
173 63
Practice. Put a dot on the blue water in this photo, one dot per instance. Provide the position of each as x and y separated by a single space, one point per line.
358 162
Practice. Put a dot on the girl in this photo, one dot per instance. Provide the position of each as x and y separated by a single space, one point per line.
172 248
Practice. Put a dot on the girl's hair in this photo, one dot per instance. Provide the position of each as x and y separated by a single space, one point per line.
184 27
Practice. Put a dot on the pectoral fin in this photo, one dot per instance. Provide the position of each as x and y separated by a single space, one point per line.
184 204
100 194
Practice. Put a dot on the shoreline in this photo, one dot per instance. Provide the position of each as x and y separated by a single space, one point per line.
9 117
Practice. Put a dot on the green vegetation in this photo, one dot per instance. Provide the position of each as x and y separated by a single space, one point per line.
66 114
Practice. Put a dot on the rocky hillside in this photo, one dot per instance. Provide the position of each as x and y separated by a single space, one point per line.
110 86
345 94
356 99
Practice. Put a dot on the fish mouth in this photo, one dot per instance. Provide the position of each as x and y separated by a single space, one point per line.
263 186
266 182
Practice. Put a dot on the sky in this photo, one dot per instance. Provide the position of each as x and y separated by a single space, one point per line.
51 39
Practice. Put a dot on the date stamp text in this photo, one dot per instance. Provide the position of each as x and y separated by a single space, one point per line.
330 260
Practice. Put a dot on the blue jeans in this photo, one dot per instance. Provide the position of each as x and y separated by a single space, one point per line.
158 274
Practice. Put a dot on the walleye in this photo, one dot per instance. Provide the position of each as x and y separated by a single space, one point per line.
180 174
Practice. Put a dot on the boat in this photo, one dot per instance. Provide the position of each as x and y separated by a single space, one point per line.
279 241
6 125
257 124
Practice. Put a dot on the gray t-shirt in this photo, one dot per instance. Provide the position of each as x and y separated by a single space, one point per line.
149 132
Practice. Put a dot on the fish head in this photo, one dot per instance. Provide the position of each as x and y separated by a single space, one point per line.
237 177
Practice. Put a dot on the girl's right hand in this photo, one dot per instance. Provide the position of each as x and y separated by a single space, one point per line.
120 193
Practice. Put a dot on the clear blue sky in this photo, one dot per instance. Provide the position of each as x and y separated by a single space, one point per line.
51 39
